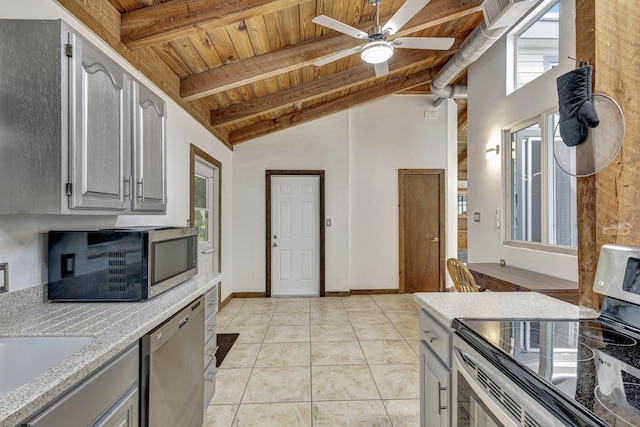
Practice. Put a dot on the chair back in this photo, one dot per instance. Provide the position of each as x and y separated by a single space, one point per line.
461 276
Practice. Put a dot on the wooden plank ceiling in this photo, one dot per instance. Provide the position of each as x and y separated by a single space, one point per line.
244 67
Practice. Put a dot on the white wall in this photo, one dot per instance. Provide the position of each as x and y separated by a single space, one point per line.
490 110
385 136
320 145
361 151
21 237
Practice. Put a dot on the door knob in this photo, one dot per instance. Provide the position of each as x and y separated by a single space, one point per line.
275 245
435 239
275 236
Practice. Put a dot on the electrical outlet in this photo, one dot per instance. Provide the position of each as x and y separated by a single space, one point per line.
502 263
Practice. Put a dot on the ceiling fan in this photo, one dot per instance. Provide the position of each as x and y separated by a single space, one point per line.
378 49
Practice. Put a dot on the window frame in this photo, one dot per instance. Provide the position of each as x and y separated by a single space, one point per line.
546 153
512 43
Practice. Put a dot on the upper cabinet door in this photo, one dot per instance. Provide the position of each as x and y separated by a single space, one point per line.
149 133
99 137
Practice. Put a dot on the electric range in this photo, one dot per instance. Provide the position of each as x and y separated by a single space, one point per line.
582 372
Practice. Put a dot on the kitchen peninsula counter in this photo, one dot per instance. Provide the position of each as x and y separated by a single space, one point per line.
113 325
446 306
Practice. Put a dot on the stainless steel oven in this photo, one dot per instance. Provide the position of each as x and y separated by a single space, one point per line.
556 372
483 396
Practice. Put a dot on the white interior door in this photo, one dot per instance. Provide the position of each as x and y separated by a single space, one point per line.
295 239
206 215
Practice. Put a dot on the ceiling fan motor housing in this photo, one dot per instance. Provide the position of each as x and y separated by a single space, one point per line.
376 52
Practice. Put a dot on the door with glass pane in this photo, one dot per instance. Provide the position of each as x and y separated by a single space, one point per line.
204 214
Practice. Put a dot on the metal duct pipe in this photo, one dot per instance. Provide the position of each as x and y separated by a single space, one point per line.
478 42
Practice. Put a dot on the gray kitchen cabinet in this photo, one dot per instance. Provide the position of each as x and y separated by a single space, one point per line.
435 372
99 134
149 154
78 134
107 398
210 344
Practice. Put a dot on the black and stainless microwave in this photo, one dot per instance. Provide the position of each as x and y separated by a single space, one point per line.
124 264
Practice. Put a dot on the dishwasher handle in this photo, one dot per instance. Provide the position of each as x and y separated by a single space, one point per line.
183 321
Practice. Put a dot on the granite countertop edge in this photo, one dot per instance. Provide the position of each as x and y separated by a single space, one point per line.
447 306
114 326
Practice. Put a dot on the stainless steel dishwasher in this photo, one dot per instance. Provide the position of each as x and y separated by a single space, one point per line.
171 370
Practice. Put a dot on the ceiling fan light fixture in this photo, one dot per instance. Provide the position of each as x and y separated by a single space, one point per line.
377 52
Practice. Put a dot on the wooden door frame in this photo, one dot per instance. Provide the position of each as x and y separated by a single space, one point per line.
193 153
442 228
268 175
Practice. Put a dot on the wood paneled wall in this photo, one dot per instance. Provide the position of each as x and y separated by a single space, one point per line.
607 36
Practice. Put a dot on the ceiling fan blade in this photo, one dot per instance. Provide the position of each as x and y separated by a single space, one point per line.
431 43
382 69
403 15
325 21
336 56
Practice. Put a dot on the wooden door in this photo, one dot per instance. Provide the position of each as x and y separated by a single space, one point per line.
422 235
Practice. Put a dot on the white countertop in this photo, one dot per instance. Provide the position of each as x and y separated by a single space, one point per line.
113 325
446 306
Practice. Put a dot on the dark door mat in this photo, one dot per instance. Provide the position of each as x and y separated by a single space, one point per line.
225 342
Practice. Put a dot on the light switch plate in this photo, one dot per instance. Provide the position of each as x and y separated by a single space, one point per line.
4 277
328 222
476 216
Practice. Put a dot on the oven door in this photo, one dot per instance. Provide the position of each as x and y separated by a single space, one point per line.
484 397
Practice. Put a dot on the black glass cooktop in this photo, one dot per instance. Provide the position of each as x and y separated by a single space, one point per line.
593 364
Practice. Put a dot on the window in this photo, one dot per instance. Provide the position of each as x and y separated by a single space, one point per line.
541 197
462 203
201 207
537 46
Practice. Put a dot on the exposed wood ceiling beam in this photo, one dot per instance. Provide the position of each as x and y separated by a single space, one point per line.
334 106
317 88
304 54
173 19
462 158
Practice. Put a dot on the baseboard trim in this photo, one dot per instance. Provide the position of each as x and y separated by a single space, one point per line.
327 294
226 301
374 291
337 294
249 294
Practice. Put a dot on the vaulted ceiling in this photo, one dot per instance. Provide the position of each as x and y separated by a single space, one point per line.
244 68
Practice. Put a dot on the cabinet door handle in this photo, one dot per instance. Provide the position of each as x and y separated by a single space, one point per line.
440 390
430 337
141 184
127 187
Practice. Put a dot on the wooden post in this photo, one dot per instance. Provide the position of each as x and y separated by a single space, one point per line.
607 34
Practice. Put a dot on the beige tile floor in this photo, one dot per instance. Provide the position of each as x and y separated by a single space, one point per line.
319 362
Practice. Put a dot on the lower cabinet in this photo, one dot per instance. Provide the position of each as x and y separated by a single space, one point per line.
210 345
107 398
435 386
435 372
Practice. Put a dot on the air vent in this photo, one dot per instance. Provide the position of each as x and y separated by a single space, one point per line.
503 13
117 277
530 422
508 401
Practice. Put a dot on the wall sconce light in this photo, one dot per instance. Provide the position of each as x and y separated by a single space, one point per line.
492 150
